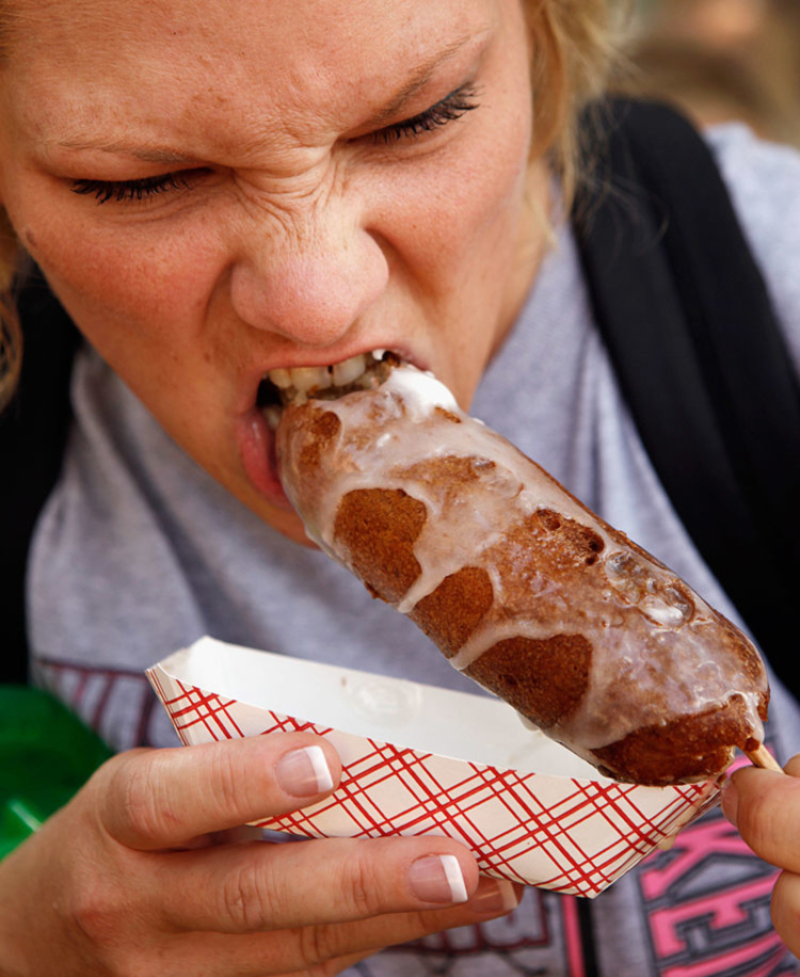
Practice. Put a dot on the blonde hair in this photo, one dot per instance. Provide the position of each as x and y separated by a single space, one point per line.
571 46
574 46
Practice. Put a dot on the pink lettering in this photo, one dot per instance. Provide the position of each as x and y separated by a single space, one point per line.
769 949
718 912
572 937
691 848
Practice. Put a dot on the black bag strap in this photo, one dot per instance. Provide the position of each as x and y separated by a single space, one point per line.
33 433
686 317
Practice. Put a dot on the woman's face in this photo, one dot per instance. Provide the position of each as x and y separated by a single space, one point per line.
215 190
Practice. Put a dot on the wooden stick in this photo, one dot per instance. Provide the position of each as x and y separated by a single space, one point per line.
763 758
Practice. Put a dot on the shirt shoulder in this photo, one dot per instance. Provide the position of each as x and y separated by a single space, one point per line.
763 179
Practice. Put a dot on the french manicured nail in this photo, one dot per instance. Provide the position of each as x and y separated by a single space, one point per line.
730 801
438 878
494 897
305 772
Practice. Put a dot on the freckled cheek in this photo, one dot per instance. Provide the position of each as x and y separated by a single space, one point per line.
499 180
144 307
125 272
470 206
128 277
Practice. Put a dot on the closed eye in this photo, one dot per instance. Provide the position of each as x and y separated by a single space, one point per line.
450 108
122 191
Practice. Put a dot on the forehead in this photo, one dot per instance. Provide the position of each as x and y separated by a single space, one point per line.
90 58
86 28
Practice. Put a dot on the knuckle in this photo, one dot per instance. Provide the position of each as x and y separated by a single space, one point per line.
230 779
245 899
361 886
94 911
145 805
237 789
318 945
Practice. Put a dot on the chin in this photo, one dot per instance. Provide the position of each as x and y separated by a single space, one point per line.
282 518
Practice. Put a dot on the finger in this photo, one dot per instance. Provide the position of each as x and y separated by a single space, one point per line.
786 910
232 836
307 949
332 967
765 807
316 944
254 961
793 766
243 889
151 799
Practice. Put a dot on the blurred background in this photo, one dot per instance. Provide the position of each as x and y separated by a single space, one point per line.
722 60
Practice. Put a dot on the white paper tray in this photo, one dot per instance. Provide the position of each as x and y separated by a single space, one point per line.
423 760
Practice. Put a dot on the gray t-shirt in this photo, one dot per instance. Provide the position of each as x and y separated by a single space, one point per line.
138 552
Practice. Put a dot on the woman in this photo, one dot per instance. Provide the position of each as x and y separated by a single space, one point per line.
214 191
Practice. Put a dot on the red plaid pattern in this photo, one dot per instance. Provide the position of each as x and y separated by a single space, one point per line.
570 835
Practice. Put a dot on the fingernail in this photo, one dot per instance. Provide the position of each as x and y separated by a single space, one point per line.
437 878
730 801
494 897
305 772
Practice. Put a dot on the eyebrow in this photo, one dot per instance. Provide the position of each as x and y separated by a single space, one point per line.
420 78
147 154
168 155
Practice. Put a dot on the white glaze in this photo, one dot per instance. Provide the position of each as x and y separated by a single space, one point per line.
656 652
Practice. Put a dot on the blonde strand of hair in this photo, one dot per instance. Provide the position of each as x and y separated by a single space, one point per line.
574 45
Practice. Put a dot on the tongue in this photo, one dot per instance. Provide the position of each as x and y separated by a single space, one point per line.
258 454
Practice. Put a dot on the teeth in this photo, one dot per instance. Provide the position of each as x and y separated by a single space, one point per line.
306 378
273 416
281 378
349 370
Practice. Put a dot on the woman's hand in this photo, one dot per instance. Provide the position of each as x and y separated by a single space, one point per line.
134 877
765 807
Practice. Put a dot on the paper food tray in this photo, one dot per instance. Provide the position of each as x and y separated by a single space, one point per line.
423 760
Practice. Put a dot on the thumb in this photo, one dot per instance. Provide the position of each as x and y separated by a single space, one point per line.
765 808
160 799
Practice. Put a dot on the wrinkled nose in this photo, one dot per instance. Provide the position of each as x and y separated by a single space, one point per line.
308 284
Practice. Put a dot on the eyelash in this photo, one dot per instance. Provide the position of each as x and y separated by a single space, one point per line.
449 109
125 190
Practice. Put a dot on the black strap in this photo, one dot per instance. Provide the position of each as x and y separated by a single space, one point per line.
33 432
688 322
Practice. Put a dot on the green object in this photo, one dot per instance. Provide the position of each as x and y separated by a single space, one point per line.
46 756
